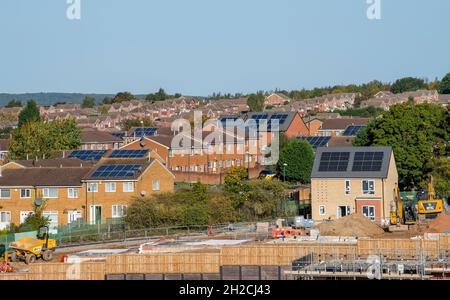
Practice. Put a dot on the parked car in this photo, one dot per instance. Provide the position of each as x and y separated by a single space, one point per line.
267 174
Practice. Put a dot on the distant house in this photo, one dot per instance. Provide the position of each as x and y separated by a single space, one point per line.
276 99
336 127
444 100
347 180
92 139
4 150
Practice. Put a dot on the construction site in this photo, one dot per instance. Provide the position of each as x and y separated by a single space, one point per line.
352 247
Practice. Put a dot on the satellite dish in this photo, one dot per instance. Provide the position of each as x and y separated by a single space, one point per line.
38 202
143 193
142 143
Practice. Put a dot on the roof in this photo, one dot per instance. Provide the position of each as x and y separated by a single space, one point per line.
342 124
349 173
95 136
143 163
4 145
54 163
50 177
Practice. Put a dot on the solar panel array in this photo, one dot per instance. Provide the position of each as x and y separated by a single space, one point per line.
116 171
145 131
352 130
367 161
317 141
334 161
128 153
224 120
88 154
259 118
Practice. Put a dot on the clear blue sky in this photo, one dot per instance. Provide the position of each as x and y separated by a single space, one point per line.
201 46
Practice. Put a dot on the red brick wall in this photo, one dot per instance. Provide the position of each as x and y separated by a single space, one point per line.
208 178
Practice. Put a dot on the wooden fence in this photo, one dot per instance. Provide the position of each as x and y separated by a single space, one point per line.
175 263
246 255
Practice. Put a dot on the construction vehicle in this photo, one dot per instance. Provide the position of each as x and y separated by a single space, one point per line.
428 205
30 249
401 213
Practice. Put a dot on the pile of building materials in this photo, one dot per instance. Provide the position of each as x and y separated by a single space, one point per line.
355 225
440 225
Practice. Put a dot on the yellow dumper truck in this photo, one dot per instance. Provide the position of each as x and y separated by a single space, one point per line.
29 249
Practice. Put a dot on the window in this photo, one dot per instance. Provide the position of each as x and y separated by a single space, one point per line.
83 147
72 193
228 163
110 187
322 210
155 185
202 168
92 187
368 187
170 153
192 168
119 211
5 193
347 187
53 217
128 187
50 193
5 217
25 193
369 212
229 148
238 162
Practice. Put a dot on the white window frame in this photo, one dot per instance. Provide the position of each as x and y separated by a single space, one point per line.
322 210
72 193
372 218
348 188
158 185
1 191
5 213
26 197
126 185
109 185
52 224
90 185
368 192
348 210
28 213
115 211
46 193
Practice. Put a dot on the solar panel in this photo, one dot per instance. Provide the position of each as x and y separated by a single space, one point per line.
116 171
368 161
352 130
334 161
128 153
88 154
317 141
145 131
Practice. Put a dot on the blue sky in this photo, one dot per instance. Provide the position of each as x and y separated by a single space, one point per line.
198 47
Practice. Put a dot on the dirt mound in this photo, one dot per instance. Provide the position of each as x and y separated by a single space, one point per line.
353 225
439 225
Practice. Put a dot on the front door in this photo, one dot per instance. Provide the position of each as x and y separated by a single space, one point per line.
73 216
96 214
343 211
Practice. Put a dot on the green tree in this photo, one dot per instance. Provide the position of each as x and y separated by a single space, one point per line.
14 103
441 175
256 102
88 102
44 140
104 111
408 84
417 133
123 96
299 157
444 86
35 220
161 95
30 113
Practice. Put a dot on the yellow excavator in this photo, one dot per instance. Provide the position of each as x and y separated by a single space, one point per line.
428 205
401 214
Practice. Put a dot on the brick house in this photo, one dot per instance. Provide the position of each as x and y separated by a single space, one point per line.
347 180
336 127
277 99
92 139
74 190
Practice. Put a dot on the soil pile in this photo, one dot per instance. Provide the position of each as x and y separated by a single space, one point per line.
353 225
439 225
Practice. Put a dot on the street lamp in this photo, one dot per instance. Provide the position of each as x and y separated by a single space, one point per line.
284 171
248 165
